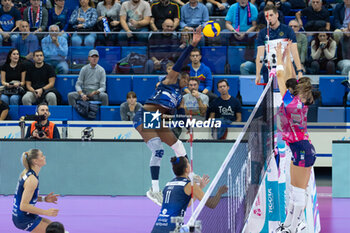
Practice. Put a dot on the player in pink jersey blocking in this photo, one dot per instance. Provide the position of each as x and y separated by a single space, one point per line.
293 115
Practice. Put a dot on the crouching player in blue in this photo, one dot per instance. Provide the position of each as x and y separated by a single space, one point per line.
177 195
25 215
165 100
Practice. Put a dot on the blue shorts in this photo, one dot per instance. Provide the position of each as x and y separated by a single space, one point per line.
27 223
304 154
138 118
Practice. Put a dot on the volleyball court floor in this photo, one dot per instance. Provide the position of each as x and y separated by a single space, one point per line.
137 214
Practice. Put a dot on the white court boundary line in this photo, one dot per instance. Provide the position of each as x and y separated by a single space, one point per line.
228 158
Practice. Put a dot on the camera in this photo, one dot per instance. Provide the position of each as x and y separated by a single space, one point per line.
39 129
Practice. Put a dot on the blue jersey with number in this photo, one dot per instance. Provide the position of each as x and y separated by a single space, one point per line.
167 96
175 202
16 212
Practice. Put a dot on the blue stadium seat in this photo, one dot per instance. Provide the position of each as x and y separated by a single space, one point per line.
3 53
26 110
288 18
249 91
136 49
331 114
233 82
332 91
117 88
78 56
144 86
215 58
312 113
13 112
61 112
65 84
110 113
235 58
246 111
77 117
347 114
109 56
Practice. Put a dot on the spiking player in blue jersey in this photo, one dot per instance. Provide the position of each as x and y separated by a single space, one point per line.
177 195
165 100
25 215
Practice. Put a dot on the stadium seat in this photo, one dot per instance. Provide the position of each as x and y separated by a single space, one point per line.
144 86
288 18
110 113
3 53
61 112
312 113
65 84
246 111
78 56
109 56
235 58
233 82
77 117
26 110
13 112
136 49
249 91
332 91
215 58
331 114
117 88
347 114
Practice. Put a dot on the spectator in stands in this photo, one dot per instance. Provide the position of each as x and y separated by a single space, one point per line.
162 10
135 16
60 16
84 19
26 44
43 128
4 109
108 10
341 19
323 49
240 19
262 18
301 41
225 108
283 6
55 48
194 102
37 17
182 2
40 82
219 7
202 72
91 83
185 38
10 18
344 64
162 48
317 16
13 78
130 107
193 14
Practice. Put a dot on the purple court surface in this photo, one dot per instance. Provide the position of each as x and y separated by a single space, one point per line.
135 214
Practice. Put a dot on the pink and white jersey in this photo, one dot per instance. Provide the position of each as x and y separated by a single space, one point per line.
293 115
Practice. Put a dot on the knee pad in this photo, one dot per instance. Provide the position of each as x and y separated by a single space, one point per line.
179 149
156 147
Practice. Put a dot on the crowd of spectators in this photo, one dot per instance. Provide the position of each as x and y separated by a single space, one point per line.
323 47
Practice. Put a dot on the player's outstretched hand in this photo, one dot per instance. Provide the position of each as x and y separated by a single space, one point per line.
51 198
204 181
197 36
223 189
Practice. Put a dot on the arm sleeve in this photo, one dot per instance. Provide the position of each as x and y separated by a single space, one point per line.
330 52
102 81
91 19
66 26
33 44
79 83
178 65
182 19
123 112
63 48
45 19
208 80
56 133
73 17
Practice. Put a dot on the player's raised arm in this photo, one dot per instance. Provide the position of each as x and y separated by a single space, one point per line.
280 70
173 74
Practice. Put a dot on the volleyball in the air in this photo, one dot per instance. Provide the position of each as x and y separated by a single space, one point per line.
211 29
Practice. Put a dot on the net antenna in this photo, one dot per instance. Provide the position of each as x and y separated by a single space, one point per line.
239 146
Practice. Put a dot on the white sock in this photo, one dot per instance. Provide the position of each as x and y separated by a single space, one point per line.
290 211
299 205
155 185
179 149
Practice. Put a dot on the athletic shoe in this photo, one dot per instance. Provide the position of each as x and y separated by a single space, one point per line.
156 197
282 229
301 226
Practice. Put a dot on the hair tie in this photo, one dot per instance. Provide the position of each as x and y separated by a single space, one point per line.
176 161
